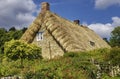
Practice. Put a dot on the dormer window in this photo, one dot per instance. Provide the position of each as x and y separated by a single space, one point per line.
39 36
92 43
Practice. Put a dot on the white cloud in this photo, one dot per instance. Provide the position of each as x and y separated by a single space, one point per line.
116 21
104 30
16 12
102 4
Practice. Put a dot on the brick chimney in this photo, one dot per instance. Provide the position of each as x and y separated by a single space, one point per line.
45 7
77 22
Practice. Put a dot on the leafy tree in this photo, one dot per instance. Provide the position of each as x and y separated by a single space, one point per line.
24 29
18 34
14 34
17 49
2 31
2 34
105 39
7 36
115 37
12 29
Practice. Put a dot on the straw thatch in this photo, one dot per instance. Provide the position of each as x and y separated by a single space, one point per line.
61 35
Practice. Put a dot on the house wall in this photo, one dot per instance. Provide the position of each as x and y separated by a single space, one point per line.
50 48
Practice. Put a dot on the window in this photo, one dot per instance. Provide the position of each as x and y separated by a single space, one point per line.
92 43
39 36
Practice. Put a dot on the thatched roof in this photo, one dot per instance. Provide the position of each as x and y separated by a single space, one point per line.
71 36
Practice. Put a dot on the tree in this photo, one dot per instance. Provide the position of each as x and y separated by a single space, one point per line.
115 37
6 36
106 40
12 29
24 29
15 34
17 49
3 31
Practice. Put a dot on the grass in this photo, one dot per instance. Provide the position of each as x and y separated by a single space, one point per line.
71 66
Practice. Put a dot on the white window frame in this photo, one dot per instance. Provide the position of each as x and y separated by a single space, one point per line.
39 36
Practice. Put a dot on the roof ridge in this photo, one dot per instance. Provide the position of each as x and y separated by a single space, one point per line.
59 30
29 35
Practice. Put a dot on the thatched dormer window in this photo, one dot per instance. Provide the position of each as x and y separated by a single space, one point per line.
92 43
39 36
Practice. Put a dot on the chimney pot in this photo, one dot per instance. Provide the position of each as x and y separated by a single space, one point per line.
77 22
45 6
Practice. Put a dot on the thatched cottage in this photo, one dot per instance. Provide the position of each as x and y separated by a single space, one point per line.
56 35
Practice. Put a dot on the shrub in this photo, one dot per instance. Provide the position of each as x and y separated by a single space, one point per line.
17 49
71 54
114 56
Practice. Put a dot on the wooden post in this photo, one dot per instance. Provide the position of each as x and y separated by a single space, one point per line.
50 50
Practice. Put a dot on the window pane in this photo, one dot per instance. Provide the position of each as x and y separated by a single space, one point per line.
39 36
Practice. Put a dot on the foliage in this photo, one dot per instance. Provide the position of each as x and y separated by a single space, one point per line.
7 67
105 76
106 40
98 55
114 56
59 69
115 37
17 49
73 65
71 54
6 36
24 29
2 33
12 29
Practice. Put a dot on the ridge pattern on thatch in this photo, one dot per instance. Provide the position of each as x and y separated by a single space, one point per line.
70 36
29 35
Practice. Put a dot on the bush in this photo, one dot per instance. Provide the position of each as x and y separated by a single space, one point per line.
71 54
114 56
17 53
71 66
9 68
17 49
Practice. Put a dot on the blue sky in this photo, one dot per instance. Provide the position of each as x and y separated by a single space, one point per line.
85 10
102 16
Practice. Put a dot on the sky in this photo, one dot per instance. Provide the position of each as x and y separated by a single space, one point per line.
102 16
